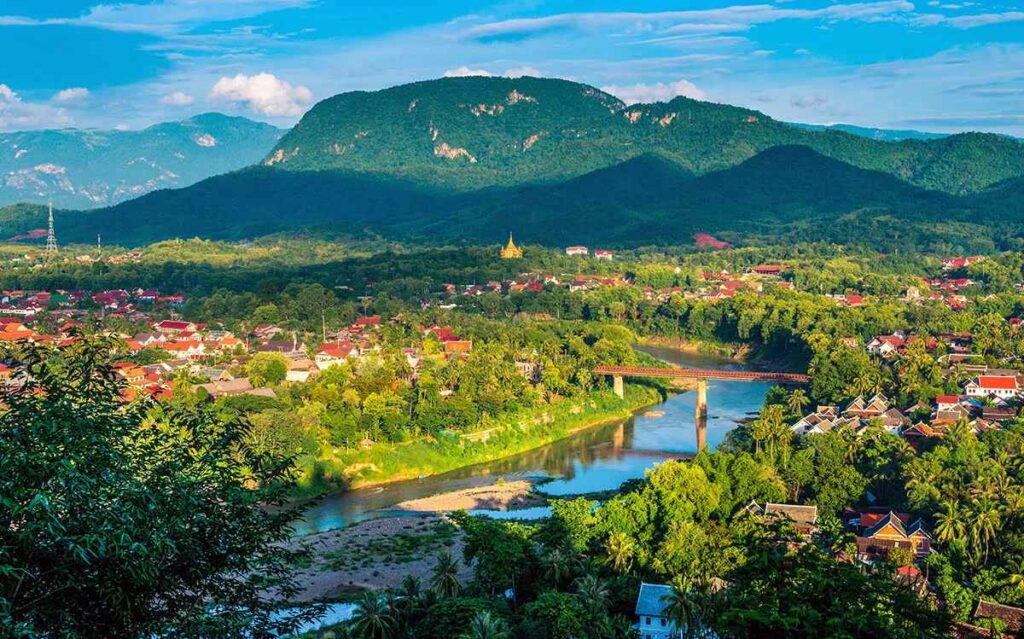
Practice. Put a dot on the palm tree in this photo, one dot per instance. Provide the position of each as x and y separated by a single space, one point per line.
407 598
985 524
865 383
759 432
445 578
593 593
683 609
620 551
372 619
485 626
410 587
798 400
950 527
556 565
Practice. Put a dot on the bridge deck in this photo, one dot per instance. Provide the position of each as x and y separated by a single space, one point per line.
699 373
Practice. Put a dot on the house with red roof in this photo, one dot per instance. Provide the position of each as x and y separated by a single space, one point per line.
886 345
956 263
770 269
1002 387
177 326
335 353
372 320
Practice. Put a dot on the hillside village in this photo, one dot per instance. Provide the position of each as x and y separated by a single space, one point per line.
167 357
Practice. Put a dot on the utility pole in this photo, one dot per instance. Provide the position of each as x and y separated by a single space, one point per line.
51 237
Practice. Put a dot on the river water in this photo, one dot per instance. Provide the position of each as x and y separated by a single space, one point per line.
590 461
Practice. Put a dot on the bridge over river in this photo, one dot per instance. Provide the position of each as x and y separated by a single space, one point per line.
618 373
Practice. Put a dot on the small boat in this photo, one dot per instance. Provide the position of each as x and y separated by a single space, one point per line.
654 413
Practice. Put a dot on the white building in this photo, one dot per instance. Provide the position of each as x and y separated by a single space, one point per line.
652 618
993 385
577 250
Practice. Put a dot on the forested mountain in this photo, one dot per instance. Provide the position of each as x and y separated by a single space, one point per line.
477 132
555 162
645 200
85 168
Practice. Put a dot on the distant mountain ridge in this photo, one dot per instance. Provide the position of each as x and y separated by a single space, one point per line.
874 133
85 168
477 132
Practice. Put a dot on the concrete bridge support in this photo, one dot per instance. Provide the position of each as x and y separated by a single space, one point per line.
701 418
618 387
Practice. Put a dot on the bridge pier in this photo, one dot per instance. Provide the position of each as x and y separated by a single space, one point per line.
701 417
618 386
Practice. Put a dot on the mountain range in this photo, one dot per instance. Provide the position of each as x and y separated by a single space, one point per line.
883 135
556 162
86 168
476 132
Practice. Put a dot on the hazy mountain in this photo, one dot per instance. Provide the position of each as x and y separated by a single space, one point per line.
883 135
476 132
86 168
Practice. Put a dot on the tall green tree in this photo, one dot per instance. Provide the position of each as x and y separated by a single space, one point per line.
133 520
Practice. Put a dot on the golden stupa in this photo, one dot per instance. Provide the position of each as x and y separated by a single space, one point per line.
511 251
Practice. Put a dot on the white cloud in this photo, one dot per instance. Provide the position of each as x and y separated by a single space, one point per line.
656 92
970 21
178 98
176 16
734 18
519 72
808 101
464 71
15 113
264 93
72 94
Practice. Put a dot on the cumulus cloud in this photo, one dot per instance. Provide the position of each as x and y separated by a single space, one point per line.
72 94
518 72
178 98
15 113
656 92
264 93
464 71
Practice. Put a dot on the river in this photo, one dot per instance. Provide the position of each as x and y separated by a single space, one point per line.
590 461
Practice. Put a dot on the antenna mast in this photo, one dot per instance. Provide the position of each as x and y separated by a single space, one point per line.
51 237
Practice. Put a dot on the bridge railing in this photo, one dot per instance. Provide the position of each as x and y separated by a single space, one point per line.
698 373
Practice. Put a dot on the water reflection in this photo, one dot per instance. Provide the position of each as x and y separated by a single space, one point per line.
595 460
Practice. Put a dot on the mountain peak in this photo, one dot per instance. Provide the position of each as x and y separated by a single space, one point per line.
475 132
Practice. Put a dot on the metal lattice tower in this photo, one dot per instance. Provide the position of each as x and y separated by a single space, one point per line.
51 238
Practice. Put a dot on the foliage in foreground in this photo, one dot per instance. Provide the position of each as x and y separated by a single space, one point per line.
133 520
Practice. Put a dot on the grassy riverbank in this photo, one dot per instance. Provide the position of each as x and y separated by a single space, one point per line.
736 352
505 436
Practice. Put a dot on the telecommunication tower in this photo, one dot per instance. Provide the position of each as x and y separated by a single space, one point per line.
51 238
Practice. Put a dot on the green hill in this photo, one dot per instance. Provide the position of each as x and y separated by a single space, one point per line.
644 200
469 159
649 200
476 132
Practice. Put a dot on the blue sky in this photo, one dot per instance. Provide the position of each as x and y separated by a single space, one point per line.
939 65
